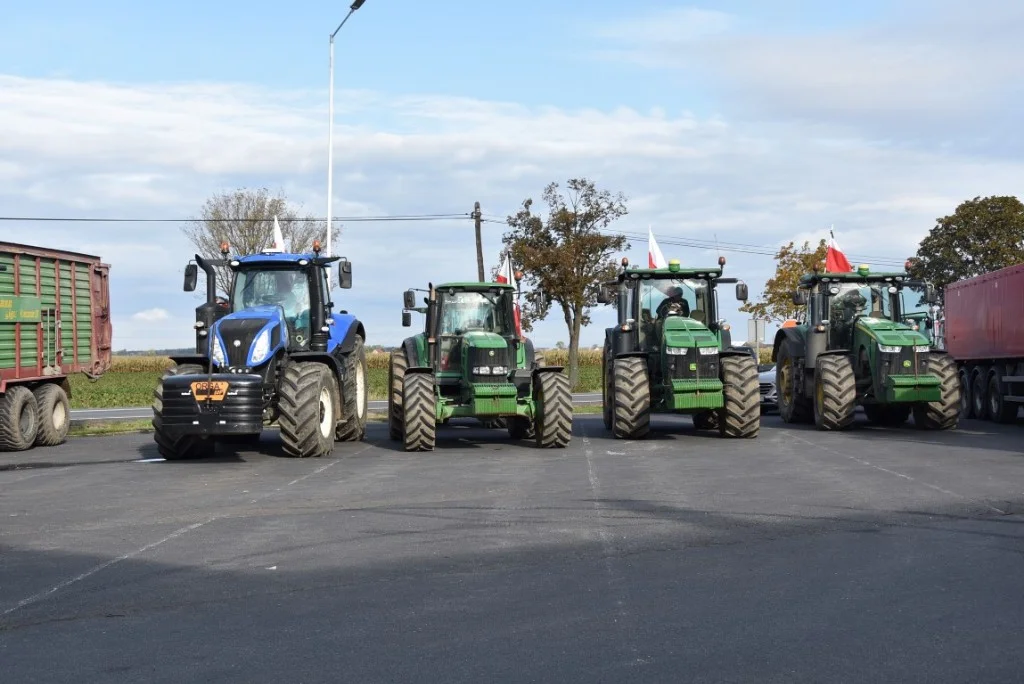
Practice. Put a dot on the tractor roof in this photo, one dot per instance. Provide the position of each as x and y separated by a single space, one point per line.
668 273
274 258
863 274
474 286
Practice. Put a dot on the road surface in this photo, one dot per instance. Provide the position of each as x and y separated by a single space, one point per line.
882 555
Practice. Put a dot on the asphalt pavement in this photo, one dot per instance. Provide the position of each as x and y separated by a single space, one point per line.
877 555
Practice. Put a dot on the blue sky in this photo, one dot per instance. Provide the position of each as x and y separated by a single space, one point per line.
753 122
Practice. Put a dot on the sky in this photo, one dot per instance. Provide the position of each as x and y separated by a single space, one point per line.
750 123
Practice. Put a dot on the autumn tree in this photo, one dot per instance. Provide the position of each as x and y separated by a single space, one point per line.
244 219
791 262
566 254
982 235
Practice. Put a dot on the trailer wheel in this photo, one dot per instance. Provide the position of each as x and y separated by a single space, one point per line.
979 393
966 400
631 410
419 412
945 413
396 376
553 400
1000 410
835 393
19 419
54 414
184 448
307 400
356 396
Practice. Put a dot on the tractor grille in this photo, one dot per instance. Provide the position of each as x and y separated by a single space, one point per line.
896 363
244 332
678 365
482 357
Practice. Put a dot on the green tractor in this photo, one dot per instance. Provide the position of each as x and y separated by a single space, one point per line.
670 353
471 361
856 346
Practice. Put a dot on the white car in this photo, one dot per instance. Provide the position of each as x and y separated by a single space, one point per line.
769 392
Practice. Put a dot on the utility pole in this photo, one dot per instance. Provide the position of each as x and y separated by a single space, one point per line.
477 216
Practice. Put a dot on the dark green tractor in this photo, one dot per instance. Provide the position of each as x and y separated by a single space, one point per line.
670 353
857 345
471 361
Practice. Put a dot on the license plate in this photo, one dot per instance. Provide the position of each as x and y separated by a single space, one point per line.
214 391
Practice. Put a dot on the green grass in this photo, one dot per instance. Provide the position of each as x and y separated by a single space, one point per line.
117 389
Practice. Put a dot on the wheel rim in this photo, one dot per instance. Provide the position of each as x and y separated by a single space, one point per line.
326 412
360 391
59 416
26 422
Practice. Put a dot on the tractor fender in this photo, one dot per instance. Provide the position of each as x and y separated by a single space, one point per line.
528 351
423 370
329 360
412 352
737 351
547 369
795 339
347 328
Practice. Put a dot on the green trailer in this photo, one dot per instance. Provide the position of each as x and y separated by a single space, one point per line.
54 321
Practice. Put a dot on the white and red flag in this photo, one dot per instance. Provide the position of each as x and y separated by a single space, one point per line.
505 276
835 260
655 259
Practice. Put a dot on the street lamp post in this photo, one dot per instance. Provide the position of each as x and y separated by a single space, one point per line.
330 135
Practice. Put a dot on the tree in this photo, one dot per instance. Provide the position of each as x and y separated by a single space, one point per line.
566 256
791 262
244 219
982 235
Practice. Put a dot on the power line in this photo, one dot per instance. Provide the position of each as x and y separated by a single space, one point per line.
345 219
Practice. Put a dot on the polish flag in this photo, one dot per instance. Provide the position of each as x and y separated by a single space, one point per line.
278 238
835 260
655 259
505 276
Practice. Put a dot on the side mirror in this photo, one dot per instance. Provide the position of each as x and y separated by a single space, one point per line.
930 295
409 299
191 277
799 297
603 295
345 274
406 319
741 292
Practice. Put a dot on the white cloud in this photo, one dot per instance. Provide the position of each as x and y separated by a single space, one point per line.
158 151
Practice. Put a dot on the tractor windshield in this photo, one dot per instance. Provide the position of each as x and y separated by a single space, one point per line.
287 288
673 297
849 300
462 312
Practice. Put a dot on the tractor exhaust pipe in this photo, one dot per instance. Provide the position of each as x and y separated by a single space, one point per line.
211 279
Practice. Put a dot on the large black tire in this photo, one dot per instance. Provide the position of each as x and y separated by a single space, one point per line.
54 414
396 376
966 400
1000 410
631 389
19 419
356 396
887 415
607 399
308 405
945 413
979 393
740 416
794 407
184 448
553 400
835 393
419 412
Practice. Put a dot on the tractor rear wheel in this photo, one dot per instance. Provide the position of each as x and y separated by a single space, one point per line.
835 393
396 376
888 415
740 416
793 406
356 395
54 414
943 414
308 402
631 410
607 399
184 448
552 398
419 412
19 419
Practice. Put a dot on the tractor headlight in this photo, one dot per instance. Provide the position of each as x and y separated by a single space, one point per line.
889 349
708 351
217 351
481 370
499 370
676 351
261 348
923 349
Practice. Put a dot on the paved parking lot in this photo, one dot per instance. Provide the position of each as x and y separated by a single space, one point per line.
874 555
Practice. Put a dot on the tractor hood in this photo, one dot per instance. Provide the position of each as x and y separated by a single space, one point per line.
248 338
484 340
686 332
891 334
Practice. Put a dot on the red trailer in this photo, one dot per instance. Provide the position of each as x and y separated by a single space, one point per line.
54 321
984 333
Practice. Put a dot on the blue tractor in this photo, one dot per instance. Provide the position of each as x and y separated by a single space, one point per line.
275 351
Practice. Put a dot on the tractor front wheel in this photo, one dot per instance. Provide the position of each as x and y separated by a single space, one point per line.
631 409
835 393
183 448
553 400
740 416
943 414
356 395
793 405
419 412
308 402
